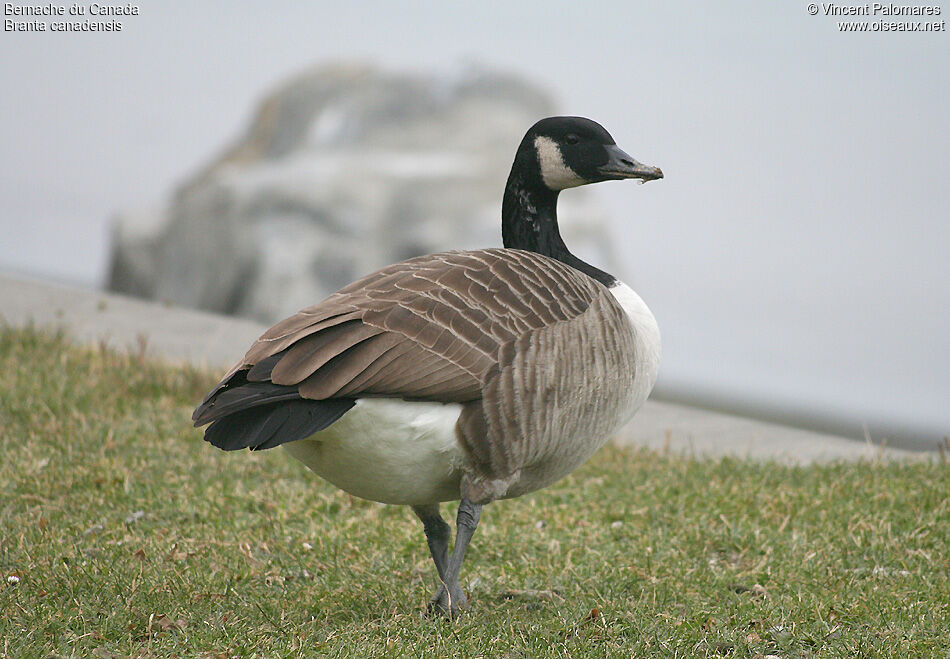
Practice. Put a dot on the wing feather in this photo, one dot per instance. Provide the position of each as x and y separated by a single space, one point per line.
309 354
344 368
433 328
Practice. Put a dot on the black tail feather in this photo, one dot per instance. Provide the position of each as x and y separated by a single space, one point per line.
261 371
245 396
272 424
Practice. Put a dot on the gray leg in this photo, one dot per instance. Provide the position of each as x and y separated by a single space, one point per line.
437 536
449 598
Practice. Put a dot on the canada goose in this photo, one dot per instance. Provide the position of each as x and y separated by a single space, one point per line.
473 375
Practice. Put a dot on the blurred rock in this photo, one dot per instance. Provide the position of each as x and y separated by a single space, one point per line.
345 169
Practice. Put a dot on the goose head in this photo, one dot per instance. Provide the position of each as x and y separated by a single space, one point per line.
573 151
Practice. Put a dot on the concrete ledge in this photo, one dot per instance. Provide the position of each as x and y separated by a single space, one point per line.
93 317
216 342
702 433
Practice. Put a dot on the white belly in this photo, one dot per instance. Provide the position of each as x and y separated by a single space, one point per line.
390 451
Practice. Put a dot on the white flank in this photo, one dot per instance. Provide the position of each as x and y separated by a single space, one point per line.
554 172
387 450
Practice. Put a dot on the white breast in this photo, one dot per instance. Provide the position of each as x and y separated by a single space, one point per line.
647 338
390 451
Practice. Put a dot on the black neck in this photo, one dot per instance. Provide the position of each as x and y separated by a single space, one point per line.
529 221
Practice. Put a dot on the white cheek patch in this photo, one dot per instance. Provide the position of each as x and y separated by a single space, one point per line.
554 172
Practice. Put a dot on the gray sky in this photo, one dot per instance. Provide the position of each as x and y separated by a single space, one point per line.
795 255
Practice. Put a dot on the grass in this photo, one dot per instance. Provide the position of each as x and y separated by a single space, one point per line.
126 535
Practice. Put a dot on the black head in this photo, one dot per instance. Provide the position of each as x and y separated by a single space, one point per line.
572 151
558 153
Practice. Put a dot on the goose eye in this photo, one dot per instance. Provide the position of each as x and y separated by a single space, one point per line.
572 139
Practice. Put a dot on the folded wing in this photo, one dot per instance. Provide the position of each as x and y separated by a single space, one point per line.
429 328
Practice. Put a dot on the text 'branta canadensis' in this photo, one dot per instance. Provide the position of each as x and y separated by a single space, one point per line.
473 375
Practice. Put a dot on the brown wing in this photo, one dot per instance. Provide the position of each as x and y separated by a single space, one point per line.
429 328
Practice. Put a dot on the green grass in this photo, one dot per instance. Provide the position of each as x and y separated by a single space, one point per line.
636 554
